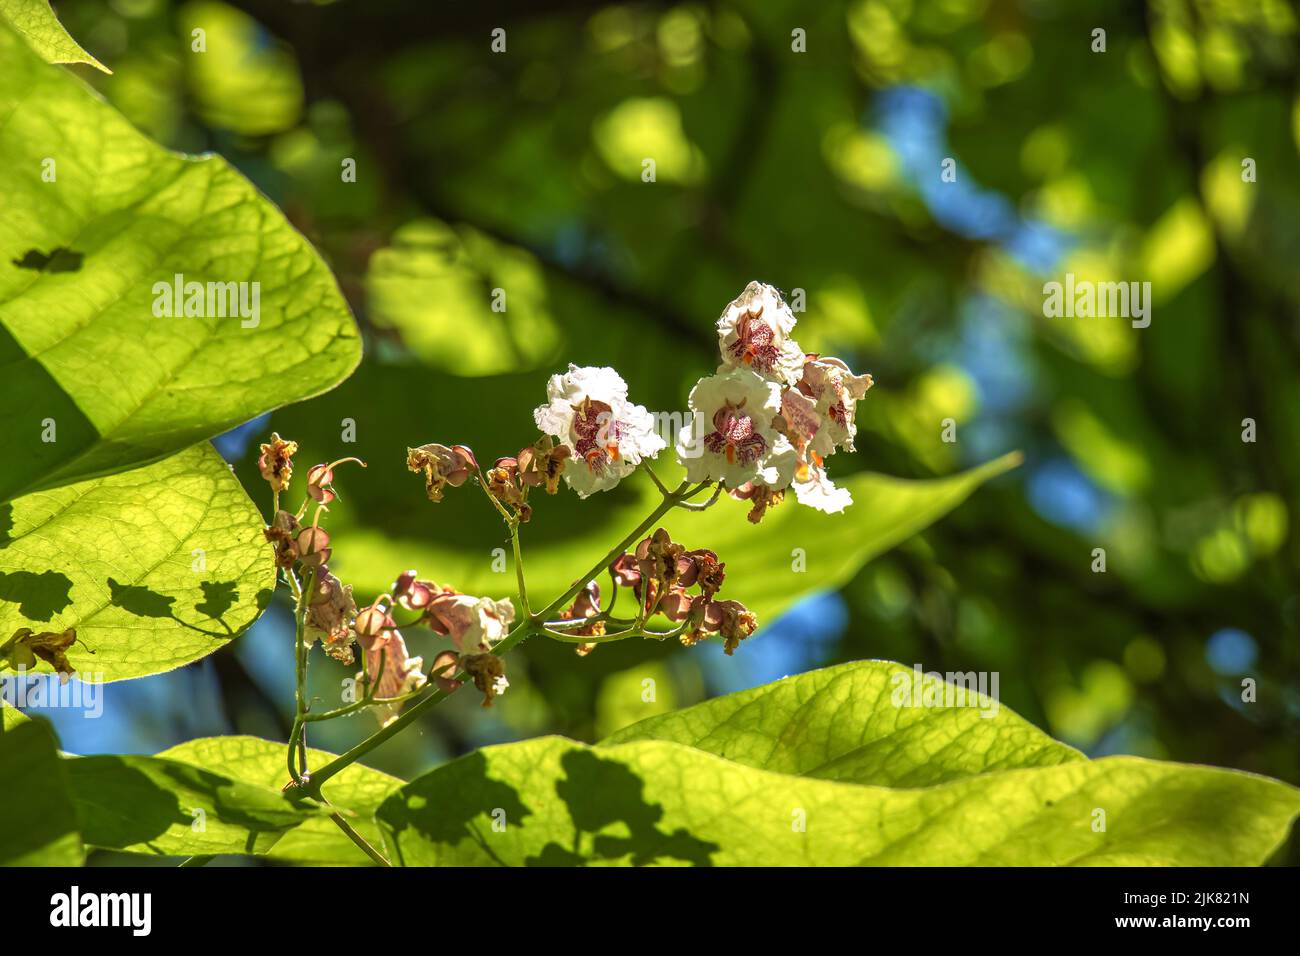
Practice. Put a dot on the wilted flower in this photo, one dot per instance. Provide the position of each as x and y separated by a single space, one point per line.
754 332
489 673
731 437
585 606
388 665
276 461
473 624
25 646
657 558
608 436
412 594
542 464
283 535
441 466
735 623
504 485
761 498
330 611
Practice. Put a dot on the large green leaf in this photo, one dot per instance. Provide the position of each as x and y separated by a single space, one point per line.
38 824
841 723
37 23
168 808
658 802
95 215
154 567
357 791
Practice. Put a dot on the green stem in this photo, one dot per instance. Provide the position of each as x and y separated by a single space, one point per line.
519 568
670 501
359 840
297 736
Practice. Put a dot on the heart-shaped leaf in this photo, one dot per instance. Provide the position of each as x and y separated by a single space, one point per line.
154 567
165 807
357 791
862 722
551 801
103 365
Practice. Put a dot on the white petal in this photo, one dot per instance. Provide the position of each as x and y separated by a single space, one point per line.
820 492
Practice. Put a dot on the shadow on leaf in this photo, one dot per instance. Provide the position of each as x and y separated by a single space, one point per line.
218 598
60 259
450 806
600 794
39 596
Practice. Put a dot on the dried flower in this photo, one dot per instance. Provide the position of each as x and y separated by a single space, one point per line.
761 498
388 666
330 611
276 462
283 535
441 466
542 464
474 624
25 646
489 673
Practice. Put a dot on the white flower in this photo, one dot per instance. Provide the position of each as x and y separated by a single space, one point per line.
608 436
499 685
813 488
754 332
732 436
836 390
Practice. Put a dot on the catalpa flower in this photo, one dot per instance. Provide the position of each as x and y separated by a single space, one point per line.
754 332
835 390
813 488
732 436
608 436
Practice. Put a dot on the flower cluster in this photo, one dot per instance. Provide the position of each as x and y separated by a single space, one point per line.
329 611
771 415
661 573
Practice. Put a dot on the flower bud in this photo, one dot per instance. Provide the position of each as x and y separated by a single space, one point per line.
443 671
313 546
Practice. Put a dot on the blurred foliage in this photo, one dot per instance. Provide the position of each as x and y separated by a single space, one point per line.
818 171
